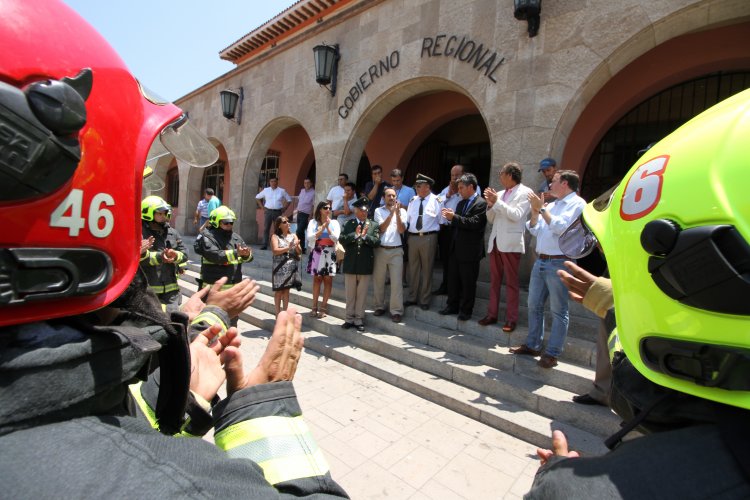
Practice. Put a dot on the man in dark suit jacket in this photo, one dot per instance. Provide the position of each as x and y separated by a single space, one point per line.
359 238
467 248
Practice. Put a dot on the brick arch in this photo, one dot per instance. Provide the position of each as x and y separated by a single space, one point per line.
674 61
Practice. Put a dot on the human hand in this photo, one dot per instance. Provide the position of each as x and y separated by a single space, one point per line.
146 244
358 230
447 213
233 300
535 201
194 305
279 361
559 448
206 372
490 195
244 251
578 281
168 256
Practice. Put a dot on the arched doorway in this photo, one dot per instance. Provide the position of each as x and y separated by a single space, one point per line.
650 121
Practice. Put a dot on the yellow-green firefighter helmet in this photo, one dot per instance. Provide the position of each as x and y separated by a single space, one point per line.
676 236
151 204
222 213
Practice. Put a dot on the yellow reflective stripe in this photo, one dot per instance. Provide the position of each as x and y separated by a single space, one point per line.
153 258
223 287
231 257
135 391
290 468
211 319
180 257
144 257
164 308
613 344
273 436
172 287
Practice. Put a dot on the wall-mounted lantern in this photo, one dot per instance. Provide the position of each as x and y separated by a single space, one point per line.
529 11
326 65
231 104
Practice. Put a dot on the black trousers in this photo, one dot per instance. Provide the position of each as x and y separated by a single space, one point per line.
445 238
462 284
302 221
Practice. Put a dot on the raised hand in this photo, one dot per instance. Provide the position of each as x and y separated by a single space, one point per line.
279 361
233 300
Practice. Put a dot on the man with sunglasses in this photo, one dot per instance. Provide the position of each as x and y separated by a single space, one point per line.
547 223
222 250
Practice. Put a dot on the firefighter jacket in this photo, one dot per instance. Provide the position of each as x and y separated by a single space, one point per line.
68 428
218 251
162 277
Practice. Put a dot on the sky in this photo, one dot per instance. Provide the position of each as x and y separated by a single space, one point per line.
172 46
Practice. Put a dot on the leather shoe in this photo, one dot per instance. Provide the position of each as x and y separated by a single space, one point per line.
525 350
424 307
409 303
547 361
396 318
464 317
346 325
585 399
360 328
440 291
509 327
487 320
447 311
378 312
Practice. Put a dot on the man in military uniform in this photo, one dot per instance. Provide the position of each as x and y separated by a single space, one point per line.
163 253
359 237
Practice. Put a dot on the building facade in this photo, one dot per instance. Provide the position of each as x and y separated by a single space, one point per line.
425 84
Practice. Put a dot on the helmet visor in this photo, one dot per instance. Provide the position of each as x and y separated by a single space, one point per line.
577 241
181 139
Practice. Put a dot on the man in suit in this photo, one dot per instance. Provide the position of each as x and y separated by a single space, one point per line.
467 249
506 211
359 237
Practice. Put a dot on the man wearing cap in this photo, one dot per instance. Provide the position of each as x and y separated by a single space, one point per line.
422 222
467 249
276 199
547 223
547 167
389 256
359 237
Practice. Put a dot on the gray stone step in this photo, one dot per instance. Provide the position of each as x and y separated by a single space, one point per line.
513 379
504 415
581 327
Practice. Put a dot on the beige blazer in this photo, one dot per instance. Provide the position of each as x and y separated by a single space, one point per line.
508 219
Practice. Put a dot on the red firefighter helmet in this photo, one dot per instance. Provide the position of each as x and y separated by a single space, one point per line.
75 132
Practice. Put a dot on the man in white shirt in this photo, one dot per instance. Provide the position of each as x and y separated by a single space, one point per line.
389 256
305 202
343 210
337 192
507 211
547 223
422 217
276 200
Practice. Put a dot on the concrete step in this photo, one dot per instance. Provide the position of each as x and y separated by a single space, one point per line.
416 321
507 377
501 413
580 327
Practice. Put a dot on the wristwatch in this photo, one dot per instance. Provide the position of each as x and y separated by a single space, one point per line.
542 210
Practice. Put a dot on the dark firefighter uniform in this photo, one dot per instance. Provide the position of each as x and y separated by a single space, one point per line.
162 277
219 257
65 410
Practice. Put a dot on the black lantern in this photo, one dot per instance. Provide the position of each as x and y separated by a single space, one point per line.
529 11
231 104
326 65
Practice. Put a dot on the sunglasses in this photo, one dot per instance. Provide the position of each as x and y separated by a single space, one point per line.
285 222
326 208
227 222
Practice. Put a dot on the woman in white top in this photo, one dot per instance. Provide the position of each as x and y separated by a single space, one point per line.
322 235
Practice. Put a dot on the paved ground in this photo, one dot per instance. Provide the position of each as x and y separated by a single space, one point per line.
383 442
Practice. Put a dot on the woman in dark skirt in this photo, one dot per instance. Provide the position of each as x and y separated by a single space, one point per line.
322 235
285 275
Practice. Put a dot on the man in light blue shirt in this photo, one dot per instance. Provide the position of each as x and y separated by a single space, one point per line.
404 194
547 223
